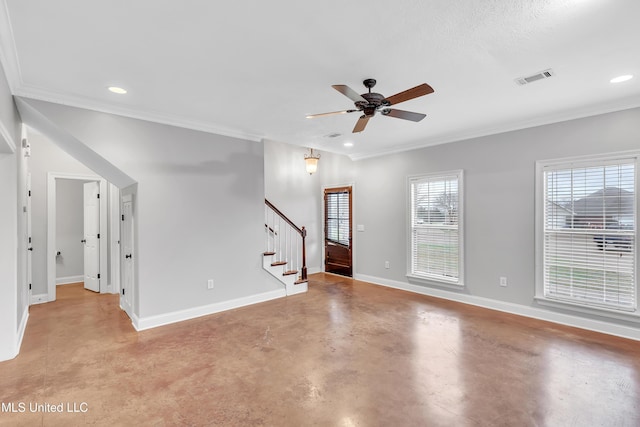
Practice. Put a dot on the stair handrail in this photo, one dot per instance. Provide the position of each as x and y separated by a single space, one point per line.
300 230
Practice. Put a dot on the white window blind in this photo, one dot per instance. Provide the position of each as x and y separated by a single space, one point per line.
435 227
337 206
589 233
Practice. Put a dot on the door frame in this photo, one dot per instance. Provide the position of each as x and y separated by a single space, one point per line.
52 178
128 307
114 238
29 240
353 225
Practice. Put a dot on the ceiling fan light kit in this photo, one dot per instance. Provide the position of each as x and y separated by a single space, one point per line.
371 102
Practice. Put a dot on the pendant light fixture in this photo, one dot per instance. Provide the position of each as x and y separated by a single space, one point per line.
311 161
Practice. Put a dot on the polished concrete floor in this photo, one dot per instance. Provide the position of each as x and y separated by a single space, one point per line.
346 353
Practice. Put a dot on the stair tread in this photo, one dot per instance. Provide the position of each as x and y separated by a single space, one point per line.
275 264
298 282
268 253
290 272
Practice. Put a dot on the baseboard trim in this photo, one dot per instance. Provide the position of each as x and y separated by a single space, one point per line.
69 279
142 323
39 299
517 309
22 328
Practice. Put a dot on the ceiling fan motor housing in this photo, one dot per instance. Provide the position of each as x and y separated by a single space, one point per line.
374 100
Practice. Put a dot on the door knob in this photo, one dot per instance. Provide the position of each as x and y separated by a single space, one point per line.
83 241
128 256
30 249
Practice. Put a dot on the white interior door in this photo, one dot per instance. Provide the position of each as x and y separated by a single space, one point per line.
127 261
92 236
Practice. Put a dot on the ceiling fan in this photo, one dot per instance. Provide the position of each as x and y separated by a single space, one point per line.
369 103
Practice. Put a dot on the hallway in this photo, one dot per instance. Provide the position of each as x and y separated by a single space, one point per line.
346 353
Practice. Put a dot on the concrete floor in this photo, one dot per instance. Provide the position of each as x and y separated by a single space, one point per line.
346 353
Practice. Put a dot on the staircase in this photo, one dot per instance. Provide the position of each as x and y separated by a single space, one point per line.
285 254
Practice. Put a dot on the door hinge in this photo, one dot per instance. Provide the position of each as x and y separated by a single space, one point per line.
122 291
98 235
29 286
123 217
29 239
29 193
98 275
98 195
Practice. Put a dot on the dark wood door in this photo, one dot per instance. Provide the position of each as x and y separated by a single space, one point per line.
337 231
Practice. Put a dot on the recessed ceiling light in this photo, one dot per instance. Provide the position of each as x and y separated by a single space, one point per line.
348 144
118 90
621 79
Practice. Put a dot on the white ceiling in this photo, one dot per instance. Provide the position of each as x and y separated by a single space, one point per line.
254 68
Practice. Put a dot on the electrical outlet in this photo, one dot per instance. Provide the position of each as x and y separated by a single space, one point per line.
386 264
210 284
503 281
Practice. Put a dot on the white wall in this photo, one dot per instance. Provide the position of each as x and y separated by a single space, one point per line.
199 206
499 186
299 195
70 228
45 157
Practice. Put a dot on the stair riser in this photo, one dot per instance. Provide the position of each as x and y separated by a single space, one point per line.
288 280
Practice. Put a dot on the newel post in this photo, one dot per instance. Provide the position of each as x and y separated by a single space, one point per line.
304 254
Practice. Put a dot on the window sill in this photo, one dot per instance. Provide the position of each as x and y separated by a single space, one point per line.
629 316
421 280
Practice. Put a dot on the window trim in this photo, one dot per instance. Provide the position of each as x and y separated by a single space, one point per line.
458 284
539 230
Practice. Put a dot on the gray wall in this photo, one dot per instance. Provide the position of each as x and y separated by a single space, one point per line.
299 195
8 256
45 157
499 184
499 199
199 205
12 304
70 228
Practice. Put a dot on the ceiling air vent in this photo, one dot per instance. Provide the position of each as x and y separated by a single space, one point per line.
333 135
535 77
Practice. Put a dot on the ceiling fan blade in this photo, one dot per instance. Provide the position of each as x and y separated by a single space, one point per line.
420 90
313 116
349 93
361 124
401 114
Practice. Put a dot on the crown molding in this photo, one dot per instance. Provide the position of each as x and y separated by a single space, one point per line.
574 114
33 92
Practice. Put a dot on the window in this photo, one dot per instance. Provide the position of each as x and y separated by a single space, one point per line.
436 227
589 213
337 215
